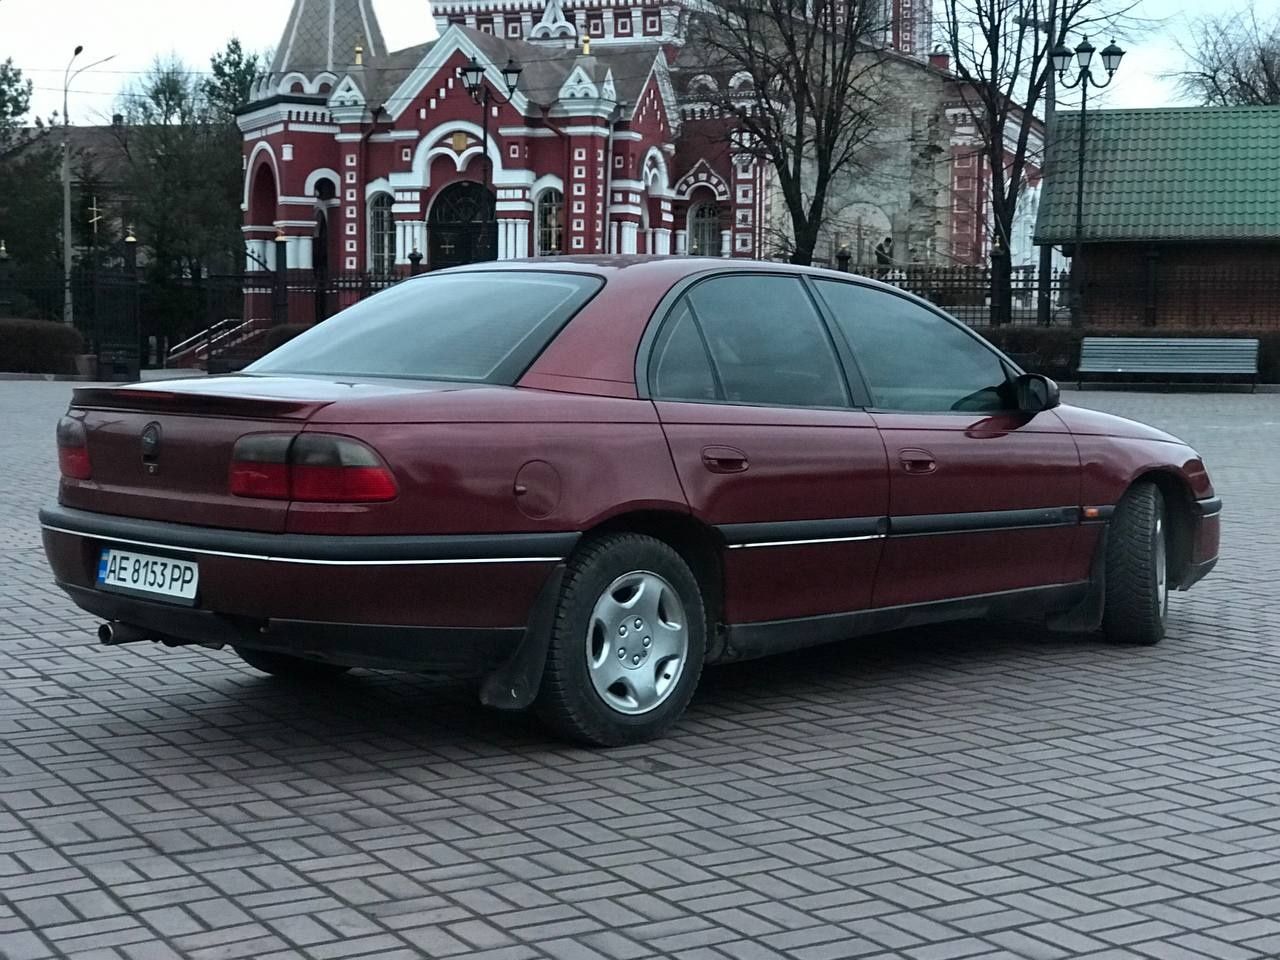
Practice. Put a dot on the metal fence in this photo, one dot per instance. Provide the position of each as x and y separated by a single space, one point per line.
226 320
965 292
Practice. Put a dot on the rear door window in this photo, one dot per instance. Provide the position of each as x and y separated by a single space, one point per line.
762 338
482 327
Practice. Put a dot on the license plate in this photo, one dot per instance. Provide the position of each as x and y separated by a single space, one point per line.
148 576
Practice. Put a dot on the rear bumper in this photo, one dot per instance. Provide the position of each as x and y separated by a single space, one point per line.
449 603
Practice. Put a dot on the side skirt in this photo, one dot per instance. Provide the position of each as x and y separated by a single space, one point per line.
745 641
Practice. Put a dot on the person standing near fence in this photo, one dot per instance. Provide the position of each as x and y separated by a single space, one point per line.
884 254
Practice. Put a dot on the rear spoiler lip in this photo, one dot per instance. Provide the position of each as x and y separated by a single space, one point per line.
146 399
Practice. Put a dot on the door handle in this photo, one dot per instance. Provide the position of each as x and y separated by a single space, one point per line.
917 462
724 459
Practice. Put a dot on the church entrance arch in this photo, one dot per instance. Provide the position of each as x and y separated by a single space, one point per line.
461 227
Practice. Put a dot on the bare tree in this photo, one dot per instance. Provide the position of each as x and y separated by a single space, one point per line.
1233 60
798 92
1000 54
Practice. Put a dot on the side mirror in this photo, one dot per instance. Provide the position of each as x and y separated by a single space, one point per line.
1036 393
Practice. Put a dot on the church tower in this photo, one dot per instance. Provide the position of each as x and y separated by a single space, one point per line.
322 36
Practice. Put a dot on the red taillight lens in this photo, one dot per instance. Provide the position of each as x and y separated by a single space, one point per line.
73 449
314 468
260 466
338 470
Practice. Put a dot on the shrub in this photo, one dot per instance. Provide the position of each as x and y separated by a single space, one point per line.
38 346
277 336
1053 351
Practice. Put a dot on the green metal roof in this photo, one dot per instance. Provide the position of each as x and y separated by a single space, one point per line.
1174 173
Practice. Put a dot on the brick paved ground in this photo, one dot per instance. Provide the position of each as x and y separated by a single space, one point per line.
961 792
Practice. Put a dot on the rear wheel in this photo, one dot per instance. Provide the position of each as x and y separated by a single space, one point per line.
289 668
1137 571
627 644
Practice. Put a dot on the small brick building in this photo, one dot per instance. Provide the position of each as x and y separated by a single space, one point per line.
1181 225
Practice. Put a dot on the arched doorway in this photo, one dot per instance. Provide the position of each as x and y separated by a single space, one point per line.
461 227
704 229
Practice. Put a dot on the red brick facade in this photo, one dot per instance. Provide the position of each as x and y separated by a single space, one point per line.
1182 287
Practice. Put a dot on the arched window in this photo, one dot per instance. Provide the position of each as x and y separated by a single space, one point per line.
550 223
382 234
704 230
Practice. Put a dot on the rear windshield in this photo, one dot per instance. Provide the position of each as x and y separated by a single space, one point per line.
484 327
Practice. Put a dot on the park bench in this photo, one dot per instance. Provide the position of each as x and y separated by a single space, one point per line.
1185 356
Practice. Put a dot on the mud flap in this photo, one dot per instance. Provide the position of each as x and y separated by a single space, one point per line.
514 685
1086 616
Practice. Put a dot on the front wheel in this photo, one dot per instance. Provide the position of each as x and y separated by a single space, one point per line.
627 644
1137 571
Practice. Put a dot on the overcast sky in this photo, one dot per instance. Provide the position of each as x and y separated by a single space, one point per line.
41 34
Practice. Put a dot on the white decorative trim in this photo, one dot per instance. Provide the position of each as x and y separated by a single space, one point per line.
250 171
701 174
426 151
374 187
654 169
393 135
346 94
553 25
528 132
703 82
452 40
313 181
546 182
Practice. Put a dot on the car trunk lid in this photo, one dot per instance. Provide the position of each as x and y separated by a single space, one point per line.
162 451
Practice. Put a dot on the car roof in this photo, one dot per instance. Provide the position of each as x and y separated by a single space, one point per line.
661 268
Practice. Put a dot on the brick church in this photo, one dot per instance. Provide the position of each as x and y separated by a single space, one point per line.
364 159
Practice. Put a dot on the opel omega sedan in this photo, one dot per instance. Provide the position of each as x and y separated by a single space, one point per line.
580 480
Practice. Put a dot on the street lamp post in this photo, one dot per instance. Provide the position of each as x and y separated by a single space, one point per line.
1111 57
68 304
473 80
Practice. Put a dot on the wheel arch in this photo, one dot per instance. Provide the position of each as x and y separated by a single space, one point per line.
1179 509
698 544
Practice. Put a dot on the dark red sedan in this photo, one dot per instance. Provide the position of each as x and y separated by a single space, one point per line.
582 480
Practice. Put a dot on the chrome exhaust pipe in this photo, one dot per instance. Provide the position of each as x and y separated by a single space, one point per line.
115 633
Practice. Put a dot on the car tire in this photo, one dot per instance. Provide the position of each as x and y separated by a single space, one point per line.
1136 603
618 590
289 668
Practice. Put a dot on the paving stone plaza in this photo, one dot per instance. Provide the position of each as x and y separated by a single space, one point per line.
962 791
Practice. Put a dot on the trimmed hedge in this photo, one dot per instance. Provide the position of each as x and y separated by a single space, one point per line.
38 346
1055 351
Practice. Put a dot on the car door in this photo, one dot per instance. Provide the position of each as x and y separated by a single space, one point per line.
982 498
769 446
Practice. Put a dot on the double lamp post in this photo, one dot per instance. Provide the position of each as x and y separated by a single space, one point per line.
1061 57
481 93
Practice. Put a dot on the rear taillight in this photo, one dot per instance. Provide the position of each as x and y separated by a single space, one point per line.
310 467
73 449
328 469
260 466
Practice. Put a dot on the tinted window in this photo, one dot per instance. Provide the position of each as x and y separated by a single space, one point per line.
681 368
913 359
484 327
766 341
